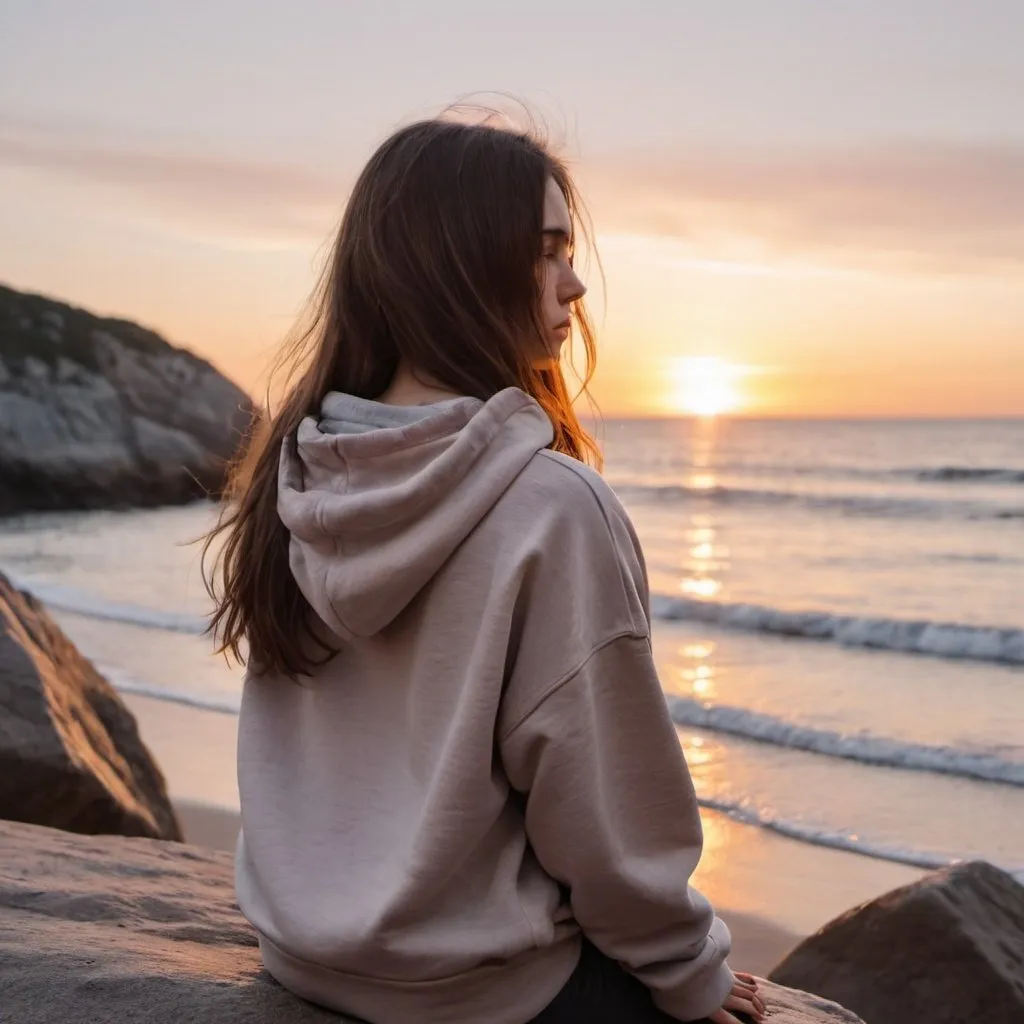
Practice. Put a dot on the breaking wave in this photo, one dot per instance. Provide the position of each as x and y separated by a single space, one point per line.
860 505
939 639
862 747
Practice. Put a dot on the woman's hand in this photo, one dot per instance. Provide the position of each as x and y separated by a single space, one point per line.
743 998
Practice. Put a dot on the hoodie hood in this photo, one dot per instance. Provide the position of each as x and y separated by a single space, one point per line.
377 497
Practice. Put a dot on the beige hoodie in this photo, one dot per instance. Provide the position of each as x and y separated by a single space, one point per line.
488 766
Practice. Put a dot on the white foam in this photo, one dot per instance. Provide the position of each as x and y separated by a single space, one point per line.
123 682
850 842
941 639
92 606
887 506
740 811
863 747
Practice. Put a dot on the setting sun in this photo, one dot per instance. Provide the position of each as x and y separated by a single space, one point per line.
704 386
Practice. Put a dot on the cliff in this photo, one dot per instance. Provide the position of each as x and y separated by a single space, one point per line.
99 412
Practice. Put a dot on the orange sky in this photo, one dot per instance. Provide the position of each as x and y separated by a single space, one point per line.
811 338
839 221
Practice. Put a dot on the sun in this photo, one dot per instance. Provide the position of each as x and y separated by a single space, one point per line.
705 386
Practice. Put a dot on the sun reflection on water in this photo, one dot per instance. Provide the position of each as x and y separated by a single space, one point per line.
703 562
697 673
703 686
697 651
704 587
695 751
702 481
706 557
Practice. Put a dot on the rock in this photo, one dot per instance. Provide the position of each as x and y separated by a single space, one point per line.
792 1006
100 413
948 949
70 752
116 931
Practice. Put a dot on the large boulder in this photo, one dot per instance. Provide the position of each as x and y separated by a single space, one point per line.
70 752
948 949
112 931
99 412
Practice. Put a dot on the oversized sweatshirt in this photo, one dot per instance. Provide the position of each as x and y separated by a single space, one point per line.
486 769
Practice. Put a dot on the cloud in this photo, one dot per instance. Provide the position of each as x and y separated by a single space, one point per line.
934 208
905 208
201 195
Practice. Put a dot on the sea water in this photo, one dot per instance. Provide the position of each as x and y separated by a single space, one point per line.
839 619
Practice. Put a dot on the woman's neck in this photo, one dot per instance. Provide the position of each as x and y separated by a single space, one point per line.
409 387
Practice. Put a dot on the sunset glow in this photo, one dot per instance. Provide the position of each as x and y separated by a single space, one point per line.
870 253
705 386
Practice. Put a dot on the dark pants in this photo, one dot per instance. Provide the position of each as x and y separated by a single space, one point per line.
601 992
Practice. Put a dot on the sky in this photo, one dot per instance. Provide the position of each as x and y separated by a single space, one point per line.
805 208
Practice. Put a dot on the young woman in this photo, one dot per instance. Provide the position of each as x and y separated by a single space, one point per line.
462 797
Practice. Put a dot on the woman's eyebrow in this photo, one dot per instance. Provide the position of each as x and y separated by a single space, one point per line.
558 234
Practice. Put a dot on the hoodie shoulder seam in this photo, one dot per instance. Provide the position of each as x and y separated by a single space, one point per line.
566 463
568 677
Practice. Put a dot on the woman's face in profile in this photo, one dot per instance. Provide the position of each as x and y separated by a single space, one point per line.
560 286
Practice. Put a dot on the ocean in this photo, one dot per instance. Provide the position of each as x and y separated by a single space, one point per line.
839 623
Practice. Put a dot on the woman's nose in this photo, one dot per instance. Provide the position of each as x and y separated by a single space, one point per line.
573 288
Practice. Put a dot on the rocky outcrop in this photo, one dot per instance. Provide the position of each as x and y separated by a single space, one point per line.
70 753
948 949
98 413
108 930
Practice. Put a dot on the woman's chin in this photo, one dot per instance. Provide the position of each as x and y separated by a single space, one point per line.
549 358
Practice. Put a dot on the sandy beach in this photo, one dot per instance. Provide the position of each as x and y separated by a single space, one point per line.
770 890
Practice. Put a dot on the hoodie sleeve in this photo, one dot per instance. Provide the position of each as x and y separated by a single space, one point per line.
611 813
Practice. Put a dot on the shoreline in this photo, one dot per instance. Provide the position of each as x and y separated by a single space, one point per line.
771 891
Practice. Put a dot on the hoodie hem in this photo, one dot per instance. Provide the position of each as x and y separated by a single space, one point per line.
512 992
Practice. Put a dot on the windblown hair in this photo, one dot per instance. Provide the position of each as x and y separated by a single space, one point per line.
436 263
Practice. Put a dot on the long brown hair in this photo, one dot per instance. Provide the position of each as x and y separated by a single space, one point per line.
435 263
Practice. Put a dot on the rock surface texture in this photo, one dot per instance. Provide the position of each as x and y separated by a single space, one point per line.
98 413
948 949
106 930
70 753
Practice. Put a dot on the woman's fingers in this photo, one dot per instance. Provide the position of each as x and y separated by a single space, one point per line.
743 999
745 992
744 1005
746 988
